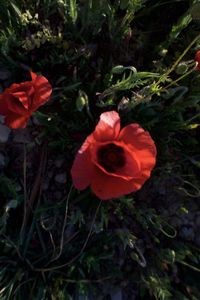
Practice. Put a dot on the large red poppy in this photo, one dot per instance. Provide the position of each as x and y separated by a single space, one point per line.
114 162
19 101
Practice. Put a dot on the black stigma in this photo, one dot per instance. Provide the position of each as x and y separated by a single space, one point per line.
111 157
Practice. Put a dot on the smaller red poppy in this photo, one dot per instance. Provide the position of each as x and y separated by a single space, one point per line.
113 162
197 59
19 101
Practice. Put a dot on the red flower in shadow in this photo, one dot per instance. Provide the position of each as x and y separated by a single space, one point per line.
197 59
19 101
114 162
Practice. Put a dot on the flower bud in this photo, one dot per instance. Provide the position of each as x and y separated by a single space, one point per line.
81 101
182 68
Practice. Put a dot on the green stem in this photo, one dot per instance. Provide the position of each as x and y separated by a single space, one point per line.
179 59
191 119
64 225
81 251
190 266
180 78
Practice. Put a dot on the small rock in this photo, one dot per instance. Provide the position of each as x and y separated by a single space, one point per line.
197 239
187 233
174 207
50 162
45 185
29 122
2 119
61 178
35 133
52 188
58 163
58 195
4 133
70 229
175 221
116 295
22 136
2 160
50 174
197 221
35 121
85 297
4 74
194 206
186 219
162 190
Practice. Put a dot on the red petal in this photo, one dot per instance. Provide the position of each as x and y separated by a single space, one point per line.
43 91
25 86
108 187
141 143
16 121
10 105
23 98
82 169
33 75
197 59
130 170
3 106
108 127
17 97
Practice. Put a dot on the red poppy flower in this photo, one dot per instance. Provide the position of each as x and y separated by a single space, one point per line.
114 162
197 59
19 101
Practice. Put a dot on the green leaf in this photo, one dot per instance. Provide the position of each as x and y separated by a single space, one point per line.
183 22
16 10
73 10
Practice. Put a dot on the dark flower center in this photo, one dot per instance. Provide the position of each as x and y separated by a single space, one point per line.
111 157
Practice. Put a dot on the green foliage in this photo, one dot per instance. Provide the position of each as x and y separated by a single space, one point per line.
158 287
184 21
10 14
102 55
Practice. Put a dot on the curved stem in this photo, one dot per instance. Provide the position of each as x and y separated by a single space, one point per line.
63 227
25 196
81 251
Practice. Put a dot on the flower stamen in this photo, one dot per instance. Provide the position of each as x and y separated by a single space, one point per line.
111 157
